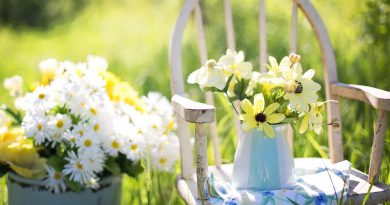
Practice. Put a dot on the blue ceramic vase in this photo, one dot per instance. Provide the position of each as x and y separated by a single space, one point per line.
262 163
22 191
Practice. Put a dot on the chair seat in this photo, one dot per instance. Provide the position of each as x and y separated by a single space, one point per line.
358 185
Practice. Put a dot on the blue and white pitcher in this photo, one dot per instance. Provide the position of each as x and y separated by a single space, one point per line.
262 163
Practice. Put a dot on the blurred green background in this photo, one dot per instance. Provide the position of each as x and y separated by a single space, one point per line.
134 35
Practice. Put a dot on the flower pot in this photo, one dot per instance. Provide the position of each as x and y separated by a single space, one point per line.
262 163
22 191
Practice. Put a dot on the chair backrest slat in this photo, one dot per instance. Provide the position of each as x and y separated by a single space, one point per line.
177 87
209 95
231 43
294 27
293 49
262 36
330 76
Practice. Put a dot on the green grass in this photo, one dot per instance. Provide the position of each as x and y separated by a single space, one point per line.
134 35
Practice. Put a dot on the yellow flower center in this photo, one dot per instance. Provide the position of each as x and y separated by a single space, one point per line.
134 147
87 143
96 127
79 166
115 144
57 175
60 124
260 117
293 86
41 96
39 127
80 132
163 160
93 111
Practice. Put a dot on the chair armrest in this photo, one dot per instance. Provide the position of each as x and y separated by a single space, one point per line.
192 111
380 99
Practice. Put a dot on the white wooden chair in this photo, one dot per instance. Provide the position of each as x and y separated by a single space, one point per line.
190 183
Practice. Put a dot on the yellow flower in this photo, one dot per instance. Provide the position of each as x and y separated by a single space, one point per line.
111 80
118 90
257 117
124 92
48 69
313 119
20 154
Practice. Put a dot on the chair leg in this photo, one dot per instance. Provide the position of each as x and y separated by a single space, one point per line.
201 158
377 146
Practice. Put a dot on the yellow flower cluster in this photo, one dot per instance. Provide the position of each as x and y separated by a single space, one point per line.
20 154
119 90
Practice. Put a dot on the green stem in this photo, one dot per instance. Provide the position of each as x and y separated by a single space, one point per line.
231 102
17 117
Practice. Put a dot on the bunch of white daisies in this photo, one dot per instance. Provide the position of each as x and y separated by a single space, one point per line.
83 133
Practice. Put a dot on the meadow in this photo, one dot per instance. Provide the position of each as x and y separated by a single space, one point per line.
134 36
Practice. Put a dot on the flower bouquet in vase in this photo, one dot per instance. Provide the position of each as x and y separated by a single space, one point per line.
269 102
82 129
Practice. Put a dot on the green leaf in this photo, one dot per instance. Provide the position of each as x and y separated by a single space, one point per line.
113 167
211 89
4 168
56 162
283 107
60 109
129 167
289 120
17 117
277 93
74 186
75 119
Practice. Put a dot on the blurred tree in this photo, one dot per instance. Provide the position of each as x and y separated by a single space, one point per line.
376 31
38 13
377 23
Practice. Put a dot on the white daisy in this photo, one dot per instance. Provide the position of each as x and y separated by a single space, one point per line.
97 63
36 127
93 183
88 142
93 159
132 148
77 131
55 180
76 170
59 124
113 144
48 66
40 98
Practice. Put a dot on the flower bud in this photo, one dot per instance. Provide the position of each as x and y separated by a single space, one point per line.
14 85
